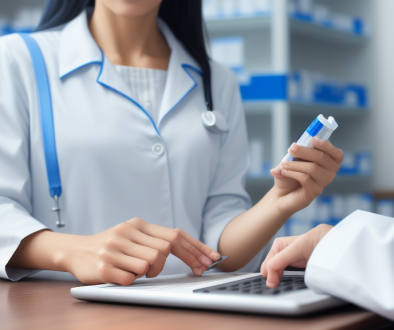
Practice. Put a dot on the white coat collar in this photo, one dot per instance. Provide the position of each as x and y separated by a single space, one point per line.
79 49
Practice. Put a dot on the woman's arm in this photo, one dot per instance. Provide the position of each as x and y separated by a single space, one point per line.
249 232
295 188
118 255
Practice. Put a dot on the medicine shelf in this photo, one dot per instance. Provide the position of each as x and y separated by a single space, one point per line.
298 27
305 109
301 108
258 108
236 24
320 32
342 184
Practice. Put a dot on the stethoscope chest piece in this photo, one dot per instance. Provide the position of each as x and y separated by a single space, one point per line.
214 121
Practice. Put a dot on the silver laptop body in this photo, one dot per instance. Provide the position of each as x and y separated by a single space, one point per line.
236 292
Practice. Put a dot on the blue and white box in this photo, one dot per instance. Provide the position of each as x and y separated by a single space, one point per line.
385 207
321 14
302 221
229 8
364 162
301 10
327 91
359 27
247 8
261 7
363 202
3 24
294 86
302 86
256 156
211 9
356 96
217 9
229 51
324 208
264 87
342 22
349 164
338 210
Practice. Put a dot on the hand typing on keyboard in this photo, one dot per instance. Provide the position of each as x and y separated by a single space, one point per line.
256 286
291 251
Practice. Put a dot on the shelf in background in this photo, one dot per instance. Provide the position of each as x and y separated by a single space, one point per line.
302 109
320 32
345 184
299 108
237 24
297 27
348 184
258 108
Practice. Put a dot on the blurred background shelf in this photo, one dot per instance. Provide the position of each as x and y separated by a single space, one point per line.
300 108
238 24
343 184
322 33
306 109
307 29
340 180
258 108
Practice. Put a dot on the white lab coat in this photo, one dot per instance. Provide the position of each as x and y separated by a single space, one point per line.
115 162
355 262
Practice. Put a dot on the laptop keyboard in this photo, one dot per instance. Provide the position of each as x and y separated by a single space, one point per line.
256 285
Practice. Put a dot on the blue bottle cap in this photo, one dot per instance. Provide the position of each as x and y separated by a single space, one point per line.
315 127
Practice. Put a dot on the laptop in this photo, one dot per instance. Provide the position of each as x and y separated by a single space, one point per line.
236 292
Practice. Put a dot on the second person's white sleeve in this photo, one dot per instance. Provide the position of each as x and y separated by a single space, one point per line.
355 262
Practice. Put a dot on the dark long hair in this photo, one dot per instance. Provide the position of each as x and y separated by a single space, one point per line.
184 17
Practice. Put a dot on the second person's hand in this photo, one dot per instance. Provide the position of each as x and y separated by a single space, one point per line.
292 251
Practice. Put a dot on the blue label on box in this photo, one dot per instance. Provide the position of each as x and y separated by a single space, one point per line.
275 87
302 17
364 162
361 94
265 87
329 93
358 26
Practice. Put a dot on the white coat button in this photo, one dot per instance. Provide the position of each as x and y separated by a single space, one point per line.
157 149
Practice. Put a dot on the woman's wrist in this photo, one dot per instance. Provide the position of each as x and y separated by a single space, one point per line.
248 233
278 206
45 250
65 251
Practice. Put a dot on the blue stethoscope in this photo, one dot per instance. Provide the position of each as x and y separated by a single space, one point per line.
212 120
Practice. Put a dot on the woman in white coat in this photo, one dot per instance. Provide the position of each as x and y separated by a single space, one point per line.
129 82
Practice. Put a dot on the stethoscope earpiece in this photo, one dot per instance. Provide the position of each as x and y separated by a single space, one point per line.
214 121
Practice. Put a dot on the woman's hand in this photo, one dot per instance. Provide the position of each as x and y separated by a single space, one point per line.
299 182
130 250
291 251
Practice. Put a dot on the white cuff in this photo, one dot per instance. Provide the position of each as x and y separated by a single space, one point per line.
7 251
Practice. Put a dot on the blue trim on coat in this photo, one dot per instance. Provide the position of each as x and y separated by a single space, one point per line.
120 93
80 67
184 66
